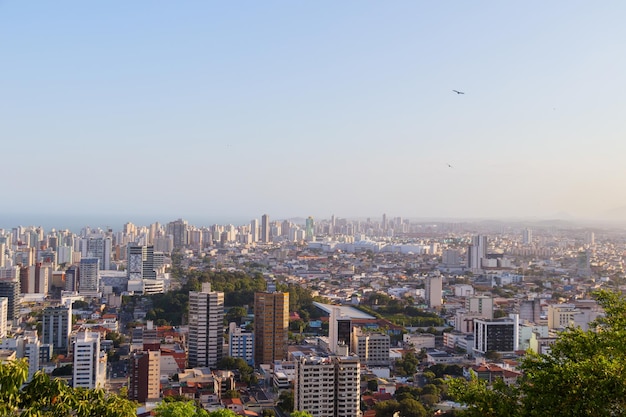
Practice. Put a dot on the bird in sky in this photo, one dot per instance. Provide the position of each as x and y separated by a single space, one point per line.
449 166
458 92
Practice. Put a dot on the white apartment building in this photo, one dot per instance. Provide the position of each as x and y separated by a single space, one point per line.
89 362
328 386
4 309
206 327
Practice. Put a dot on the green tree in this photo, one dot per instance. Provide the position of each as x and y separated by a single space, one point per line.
412 408
301 414
372 385
386 408
223 413
45 397
583 375
231 393
179 409
285 401
235 314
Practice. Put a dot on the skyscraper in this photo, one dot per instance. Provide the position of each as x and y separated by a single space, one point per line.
11 290
141 262
206 327
527 237
145 373
4 308
89 280
476 252
434 288
265 228
254 230
89 362
178 230
71 279
57 326
99 246
271 326
310 229
328 386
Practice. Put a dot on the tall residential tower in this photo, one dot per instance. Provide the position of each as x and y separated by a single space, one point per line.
271 326
206 327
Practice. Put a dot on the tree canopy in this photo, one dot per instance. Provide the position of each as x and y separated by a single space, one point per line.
583 375
46 397
189 409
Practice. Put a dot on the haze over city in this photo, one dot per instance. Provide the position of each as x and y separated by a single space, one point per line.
220 112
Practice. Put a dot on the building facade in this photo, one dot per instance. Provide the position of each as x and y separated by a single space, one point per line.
271 326
145 374
328 386
498 335
57 326
89 361
206 327
240 344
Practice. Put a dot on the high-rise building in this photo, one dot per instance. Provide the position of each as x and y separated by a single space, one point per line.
99 246
240 344
339 330
476 252
178 229
4 308
434 288
89 361
271 326
206 327
254 230
89 281
42 278
527 237
310 229
498 335
328 386
71 278
145 373
530 310
31 352
11 290
141 262
57 326
265 228
27 279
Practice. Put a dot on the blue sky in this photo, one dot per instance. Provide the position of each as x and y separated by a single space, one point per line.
234 109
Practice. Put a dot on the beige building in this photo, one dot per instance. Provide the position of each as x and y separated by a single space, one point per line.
328 386
372 348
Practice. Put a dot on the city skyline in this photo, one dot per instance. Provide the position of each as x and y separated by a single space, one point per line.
216 111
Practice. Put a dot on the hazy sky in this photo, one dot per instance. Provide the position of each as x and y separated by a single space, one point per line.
294 108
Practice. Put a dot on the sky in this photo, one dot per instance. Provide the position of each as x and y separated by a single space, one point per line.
228 110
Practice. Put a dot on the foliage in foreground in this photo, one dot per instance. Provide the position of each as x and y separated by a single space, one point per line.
189 409
583 375
45 397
